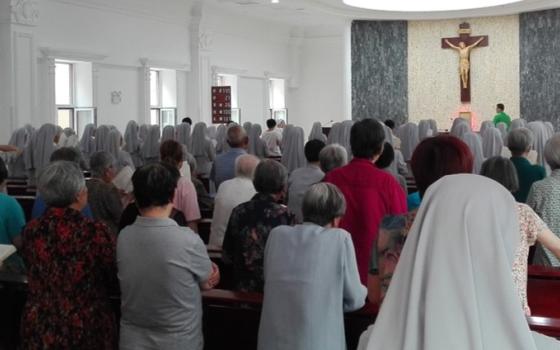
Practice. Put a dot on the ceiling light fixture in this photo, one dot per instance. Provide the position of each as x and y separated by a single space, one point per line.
425 5
275 1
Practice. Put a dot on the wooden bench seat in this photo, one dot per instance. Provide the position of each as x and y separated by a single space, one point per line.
231 319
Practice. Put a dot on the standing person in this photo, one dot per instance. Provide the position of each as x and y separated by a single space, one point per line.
150 146
162 268
317 133
223 168
519 142
122 158
250 224
230 194
273 139
71 269
202 149
293 156
453 287
132 143
302 178
257 146
501 116
185 198
103 197
369 192
12 220
311 278
544 198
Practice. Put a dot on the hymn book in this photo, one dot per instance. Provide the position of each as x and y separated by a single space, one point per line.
5 251
123 180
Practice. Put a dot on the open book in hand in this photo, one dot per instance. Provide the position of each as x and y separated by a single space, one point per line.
123 180
5 251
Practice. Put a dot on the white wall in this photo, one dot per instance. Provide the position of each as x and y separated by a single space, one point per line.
116 36
320 92
125 80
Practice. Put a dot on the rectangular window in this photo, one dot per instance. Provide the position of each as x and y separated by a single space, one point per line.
277 95
64 84
163 97
155 88
73 95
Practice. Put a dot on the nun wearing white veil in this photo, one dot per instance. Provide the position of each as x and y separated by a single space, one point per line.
433 126
221 139
150 146
409 139
293 156
549 128
518 123
333 134
344 136
143 132
202 149
16 164
87 143
453 287
183 132
42 145
317 133
168 133
456 122
492 143
122 158
460 129
487 124
247 126
503 129
475 145
132 143
424 130
257 147
102 138
540 136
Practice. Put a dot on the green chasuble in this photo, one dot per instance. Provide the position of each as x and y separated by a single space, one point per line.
502 118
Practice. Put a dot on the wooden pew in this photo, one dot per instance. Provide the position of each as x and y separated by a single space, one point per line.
26 203
231 319
543 272
20 190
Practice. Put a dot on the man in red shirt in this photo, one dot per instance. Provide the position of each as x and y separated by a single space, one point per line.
370 193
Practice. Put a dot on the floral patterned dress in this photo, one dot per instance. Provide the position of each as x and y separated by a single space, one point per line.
393 232
71 270
246 235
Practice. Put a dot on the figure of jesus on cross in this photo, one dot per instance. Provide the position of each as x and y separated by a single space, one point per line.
464 44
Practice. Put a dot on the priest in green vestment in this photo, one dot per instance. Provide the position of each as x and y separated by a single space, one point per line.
501 117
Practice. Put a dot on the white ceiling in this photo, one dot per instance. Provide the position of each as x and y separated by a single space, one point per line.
324 12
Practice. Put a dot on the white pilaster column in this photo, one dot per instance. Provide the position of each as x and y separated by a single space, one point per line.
49 89
18 62
144 71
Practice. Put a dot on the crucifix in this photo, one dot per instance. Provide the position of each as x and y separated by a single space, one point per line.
464 44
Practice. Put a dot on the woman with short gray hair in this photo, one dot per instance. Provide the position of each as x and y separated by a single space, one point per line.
301 264
251 222
544 198
519 142
332 156
71 268
104 198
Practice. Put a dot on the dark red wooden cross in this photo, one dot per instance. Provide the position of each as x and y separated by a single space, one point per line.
464 44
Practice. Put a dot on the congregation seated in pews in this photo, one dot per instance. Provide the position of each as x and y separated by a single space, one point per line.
307 250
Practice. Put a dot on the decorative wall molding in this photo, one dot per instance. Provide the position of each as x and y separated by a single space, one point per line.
227 70
205 40
25 12
183 66
72 54
129 12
